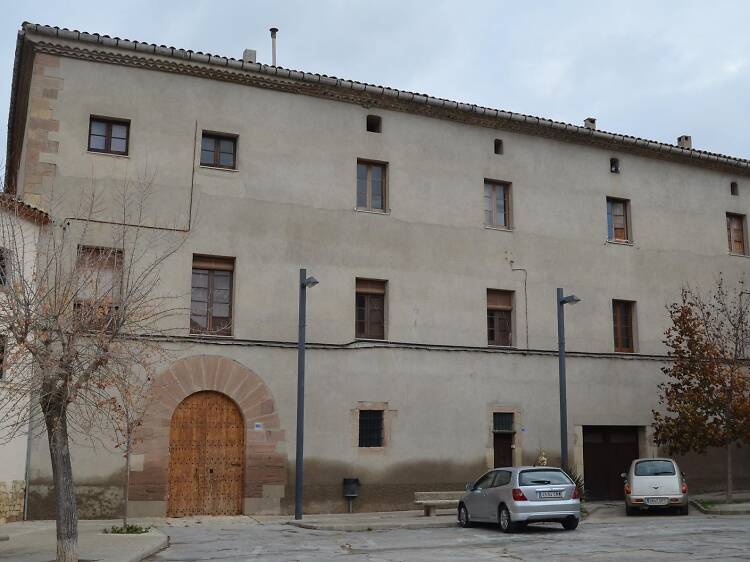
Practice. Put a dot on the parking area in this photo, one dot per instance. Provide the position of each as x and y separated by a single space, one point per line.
606 535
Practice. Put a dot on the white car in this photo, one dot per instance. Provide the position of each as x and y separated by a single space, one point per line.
655 484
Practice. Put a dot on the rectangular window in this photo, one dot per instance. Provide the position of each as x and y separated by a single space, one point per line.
371 186
211 296
622 319
618 221
499 317
496 204
736 234
371 428
370 313
99 278
219 151
109 135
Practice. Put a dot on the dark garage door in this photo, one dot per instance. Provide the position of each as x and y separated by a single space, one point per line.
607 453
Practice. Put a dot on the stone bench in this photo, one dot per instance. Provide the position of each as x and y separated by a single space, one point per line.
432 501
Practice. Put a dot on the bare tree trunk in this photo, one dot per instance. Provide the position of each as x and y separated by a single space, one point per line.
729 472
62 475
127 487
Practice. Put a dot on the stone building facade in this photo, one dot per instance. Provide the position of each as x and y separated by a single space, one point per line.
438 231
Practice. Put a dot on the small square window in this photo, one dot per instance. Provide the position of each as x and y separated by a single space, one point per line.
219 151
371 428
109 136
734 188
498 146
614 165
374 124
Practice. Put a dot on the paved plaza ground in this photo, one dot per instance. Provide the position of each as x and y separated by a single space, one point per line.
606 535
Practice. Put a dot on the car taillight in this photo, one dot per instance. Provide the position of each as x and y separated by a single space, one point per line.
575 495
684 488
627 488
518 495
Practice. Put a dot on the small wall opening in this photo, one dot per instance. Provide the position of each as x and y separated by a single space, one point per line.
734 188
498 146
614 165
374 124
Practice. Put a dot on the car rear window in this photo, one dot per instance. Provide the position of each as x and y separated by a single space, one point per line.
654 468
542 477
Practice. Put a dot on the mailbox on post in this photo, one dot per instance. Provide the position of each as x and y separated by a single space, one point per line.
351 491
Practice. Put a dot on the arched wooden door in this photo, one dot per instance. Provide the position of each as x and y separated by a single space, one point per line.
206 457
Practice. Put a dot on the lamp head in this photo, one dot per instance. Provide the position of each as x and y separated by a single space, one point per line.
570 299
310 282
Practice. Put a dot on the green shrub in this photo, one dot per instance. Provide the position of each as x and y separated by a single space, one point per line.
577 479
128 530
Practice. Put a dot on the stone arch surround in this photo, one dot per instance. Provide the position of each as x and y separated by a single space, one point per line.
265 450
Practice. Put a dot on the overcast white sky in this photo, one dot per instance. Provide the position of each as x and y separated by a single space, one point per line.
646 68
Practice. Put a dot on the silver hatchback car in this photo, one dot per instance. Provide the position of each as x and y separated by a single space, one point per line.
513 497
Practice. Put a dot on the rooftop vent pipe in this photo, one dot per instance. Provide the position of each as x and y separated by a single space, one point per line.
274 31
589 122
685 141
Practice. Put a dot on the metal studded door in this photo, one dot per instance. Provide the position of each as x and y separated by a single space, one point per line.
206 457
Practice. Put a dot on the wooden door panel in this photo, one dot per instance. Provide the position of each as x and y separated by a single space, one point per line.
206 457
503 448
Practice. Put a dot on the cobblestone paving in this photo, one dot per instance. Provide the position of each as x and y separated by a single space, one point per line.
606 535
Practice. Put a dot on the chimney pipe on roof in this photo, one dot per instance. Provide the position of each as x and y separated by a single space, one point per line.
274 31
589 122
685 141
249 55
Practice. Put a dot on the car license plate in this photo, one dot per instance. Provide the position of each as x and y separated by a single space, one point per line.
657 501
550 494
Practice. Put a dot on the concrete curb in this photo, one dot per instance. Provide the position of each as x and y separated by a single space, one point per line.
713 511
375 525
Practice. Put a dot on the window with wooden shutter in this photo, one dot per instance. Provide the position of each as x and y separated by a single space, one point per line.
370 309
618 221
211 295
622 320
736 234
99 278
499 317
371 186
496 204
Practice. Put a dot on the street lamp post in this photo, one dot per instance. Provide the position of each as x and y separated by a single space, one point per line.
304 283
561 302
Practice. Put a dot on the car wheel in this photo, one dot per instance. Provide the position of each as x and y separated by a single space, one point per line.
629 510
463 516
503 519
570 524
685 510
